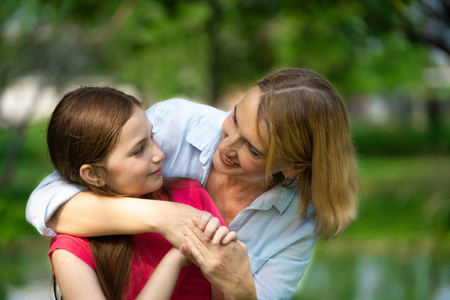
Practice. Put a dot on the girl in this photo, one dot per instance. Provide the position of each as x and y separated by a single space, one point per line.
100 138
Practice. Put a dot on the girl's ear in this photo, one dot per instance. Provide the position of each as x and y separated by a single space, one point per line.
293 171
90 176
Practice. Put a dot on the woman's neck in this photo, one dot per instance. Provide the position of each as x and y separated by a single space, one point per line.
232 195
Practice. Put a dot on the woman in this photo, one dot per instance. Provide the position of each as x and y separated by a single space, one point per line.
281 169
101 139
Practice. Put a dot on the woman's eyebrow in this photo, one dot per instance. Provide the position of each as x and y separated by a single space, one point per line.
250 144
234 115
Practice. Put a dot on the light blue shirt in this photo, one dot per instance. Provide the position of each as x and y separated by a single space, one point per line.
279 243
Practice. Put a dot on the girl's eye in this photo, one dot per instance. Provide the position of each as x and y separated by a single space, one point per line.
140 150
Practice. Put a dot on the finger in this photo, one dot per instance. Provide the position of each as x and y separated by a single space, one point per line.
190 228
244 246
202 219
220 234
184 249
211 228
230 237
194 250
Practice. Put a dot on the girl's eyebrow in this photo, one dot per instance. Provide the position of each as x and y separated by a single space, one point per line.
250 144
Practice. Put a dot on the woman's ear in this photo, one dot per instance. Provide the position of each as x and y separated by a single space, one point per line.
293 171
90 176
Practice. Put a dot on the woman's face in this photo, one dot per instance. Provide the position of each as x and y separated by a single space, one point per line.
242 153
133 167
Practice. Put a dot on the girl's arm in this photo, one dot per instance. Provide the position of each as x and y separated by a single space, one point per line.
163 280
76 279
87 214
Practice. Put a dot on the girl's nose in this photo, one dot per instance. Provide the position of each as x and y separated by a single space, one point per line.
158 155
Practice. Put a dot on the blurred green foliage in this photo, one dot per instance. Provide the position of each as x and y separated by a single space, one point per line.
201 48
204 49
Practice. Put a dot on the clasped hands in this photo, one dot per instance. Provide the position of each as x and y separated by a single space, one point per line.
204 237
221 257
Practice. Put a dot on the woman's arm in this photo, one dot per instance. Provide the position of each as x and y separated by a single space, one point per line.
87 214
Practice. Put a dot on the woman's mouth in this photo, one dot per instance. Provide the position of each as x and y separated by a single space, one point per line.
227 162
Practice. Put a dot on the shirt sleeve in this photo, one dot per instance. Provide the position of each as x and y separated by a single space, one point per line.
77 246
284 269
51 193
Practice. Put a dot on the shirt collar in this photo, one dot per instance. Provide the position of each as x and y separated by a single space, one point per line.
206 135
277 196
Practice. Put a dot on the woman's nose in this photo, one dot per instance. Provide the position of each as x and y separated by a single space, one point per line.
230 143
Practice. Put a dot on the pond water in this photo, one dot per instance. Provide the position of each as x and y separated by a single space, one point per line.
410 274
342 274
376 278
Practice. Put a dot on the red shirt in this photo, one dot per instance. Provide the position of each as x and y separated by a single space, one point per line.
151 248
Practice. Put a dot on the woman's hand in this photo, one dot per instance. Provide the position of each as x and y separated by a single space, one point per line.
212 230
226 266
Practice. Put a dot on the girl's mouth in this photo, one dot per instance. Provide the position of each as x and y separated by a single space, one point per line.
158 172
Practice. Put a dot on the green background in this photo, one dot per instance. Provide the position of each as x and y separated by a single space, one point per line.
376 53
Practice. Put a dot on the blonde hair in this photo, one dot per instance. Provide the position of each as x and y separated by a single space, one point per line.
308 126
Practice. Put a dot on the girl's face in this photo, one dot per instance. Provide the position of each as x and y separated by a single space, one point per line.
242 153
133 167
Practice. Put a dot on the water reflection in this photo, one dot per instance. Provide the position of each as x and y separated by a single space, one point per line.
376 277
344 272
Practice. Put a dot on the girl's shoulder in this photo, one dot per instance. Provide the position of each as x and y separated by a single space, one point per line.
188 191
182 183
65 238
178 189
78 246
191 192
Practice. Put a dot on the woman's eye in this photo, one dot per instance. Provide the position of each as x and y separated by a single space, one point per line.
253 152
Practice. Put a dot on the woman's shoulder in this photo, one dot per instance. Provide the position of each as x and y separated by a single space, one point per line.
186 106
180 111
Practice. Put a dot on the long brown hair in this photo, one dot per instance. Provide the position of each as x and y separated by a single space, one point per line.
308 126
83 129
